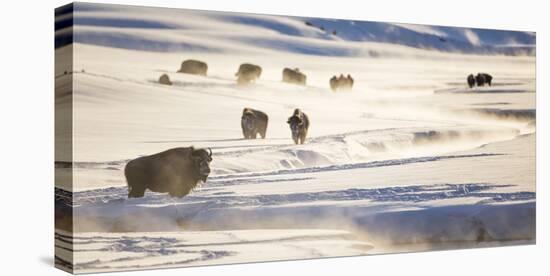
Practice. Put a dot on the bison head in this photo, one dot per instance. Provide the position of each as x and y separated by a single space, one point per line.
202 159
248 120
296 123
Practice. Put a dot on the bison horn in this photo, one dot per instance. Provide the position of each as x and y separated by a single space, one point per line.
210 152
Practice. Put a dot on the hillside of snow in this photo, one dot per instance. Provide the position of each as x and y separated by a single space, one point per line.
176 30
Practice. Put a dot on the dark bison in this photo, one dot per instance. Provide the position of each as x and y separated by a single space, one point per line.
194 67
471 80
253 122
341 82
480 80
164 79
248 73
175 171
483 78
294 76
299 124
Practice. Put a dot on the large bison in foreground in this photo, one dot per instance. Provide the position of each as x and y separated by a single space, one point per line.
294 76
175 171
299 125
248 73
194 67
253 122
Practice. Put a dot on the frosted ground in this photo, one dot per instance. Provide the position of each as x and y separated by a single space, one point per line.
410 160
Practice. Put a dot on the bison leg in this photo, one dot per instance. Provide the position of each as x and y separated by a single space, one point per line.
262 133
136 192
178 194
247 135
303 137
242 81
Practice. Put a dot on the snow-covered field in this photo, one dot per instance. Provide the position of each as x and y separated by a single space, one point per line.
411 159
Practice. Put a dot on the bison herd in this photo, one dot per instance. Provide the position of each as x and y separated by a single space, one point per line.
254 122
178 171
248 73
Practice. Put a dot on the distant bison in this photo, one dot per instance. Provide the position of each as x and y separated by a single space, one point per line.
299 125
164 79
253 122
480 80
294 76
471 80
483 78
248 73
175 171
341 83
194 67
